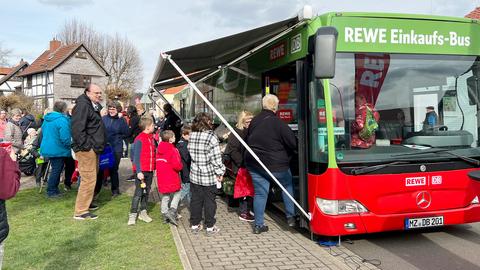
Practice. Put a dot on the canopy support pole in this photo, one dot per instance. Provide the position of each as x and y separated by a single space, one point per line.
225 122
164 100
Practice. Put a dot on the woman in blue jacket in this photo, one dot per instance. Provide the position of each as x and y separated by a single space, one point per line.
56 144
117 130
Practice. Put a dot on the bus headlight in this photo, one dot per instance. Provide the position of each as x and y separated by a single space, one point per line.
340 207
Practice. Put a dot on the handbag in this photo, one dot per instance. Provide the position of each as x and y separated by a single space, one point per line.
243 184
106 159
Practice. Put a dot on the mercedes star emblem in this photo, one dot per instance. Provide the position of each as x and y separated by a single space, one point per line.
424 199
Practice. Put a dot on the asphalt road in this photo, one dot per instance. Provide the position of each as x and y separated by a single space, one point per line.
452 247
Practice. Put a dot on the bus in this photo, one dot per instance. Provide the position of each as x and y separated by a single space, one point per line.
418 73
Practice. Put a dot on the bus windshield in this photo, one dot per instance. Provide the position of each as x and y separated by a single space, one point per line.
387 105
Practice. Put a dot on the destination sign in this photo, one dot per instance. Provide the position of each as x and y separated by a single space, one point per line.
400 36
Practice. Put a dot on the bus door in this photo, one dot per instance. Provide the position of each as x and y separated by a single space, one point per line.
284 83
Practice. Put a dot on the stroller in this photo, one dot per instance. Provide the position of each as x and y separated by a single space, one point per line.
26 163
25 159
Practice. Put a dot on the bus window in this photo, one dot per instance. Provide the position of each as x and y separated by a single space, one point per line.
318 126
406 88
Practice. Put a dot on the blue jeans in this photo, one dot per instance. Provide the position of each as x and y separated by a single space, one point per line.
54 179
185 193
261 184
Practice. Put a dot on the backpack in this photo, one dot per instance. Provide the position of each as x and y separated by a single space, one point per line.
369 127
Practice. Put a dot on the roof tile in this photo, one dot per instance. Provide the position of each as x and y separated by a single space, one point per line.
5 70
48 60
474 14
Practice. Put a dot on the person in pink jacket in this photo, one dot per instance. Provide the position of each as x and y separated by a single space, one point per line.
169 165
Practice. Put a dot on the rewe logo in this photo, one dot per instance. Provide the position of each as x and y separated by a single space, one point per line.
415 181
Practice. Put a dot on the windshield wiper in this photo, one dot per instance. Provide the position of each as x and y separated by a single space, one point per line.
442 150
369 169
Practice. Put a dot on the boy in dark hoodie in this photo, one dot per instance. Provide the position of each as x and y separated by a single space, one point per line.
185 195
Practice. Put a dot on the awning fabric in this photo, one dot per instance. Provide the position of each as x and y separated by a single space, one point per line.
203 58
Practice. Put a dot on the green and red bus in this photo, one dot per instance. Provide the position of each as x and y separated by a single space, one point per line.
412 176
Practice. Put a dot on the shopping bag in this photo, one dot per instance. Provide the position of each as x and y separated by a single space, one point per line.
106 159
228 185
243 184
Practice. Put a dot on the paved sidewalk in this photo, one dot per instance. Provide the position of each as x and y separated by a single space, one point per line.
236 247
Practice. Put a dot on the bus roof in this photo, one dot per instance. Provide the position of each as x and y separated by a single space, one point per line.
400 16
203 58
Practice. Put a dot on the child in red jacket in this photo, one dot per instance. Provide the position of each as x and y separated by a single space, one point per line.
144 161
169 164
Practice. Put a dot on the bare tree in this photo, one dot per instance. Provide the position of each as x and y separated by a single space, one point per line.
117 54
4 55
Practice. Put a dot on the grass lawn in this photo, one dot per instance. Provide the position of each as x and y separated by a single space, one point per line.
43 235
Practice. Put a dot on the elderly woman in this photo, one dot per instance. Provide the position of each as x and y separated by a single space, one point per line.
117 130
13 132
56 144
274 143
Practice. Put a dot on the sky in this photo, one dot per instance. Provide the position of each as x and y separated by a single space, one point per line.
159 26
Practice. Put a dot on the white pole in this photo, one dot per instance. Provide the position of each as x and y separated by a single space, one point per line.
168 57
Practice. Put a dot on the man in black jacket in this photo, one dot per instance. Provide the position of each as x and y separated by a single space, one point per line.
89 139
273 142
9 185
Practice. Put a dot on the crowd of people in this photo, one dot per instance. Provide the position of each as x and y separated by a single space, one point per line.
186 159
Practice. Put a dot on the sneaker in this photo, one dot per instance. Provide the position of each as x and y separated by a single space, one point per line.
93 207
143 216
67 187
252 214
212 230
164 219
131 178
172 217
132 219
260 229
291 221
246 217
115 194
87 215
196 228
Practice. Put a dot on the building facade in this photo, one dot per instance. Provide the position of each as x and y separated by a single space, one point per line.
61 73
12 82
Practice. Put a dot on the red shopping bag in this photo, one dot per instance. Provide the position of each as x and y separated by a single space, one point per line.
243 184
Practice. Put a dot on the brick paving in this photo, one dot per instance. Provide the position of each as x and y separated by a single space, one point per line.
236 247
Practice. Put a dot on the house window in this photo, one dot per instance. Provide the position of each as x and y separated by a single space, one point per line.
80 81
29 82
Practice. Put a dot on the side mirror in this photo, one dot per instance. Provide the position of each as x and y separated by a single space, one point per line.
325 52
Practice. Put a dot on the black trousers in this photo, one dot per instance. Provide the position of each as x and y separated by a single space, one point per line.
245 205
139 197
69 169
203 198
113 175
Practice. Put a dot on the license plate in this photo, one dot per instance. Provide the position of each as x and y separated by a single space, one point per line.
413 223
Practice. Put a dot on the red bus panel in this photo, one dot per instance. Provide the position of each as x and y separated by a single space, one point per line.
391 199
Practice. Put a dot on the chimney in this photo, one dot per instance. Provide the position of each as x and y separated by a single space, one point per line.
54 45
